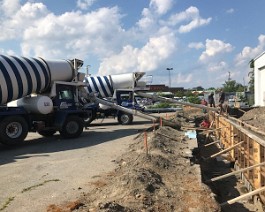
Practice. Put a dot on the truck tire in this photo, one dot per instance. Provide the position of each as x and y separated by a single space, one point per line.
13 130
125 119
72 127
47 133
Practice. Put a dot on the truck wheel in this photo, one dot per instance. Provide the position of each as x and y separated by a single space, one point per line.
72 127
13 130
125 119
47 133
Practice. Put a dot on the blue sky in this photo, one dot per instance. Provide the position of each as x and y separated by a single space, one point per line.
202 40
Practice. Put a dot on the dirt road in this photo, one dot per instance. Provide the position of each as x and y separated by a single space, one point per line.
47 170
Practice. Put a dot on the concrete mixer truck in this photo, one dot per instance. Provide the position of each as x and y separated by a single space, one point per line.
46 96
119 89
41 96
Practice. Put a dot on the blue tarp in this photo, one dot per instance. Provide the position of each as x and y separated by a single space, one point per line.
191 134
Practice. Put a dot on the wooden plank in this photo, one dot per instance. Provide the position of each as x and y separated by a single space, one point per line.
233 135
209 144
252 193
241 110
256 153
248 133
226 150
235 172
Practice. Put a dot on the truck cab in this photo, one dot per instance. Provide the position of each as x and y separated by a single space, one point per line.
65 117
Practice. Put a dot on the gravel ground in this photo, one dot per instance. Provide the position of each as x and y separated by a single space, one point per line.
48 170
108 169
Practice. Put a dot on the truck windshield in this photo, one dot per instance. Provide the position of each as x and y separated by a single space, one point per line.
66 94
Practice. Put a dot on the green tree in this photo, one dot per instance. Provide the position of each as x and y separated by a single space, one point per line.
211 89
194 99
233 86
198 88
188 93
179 94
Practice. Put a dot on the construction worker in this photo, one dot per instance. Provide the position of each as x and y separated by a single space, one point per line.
211 100
221 100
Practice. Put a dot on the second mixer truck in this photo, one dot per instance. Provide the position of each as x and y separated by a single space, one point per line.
118 89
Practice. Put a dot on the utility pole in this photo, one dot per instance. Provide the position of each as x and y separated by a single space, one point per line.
229 76
87 70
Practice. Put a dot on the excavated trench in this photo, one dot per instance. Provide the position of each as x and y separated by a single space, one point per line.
164 170
226 188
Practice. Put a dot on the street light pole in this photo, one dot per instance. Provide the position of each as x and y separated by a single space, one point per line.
87 70
169 77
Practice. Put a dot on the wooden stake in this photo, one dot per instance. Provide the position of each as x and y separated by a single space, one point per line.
211 124
145 143
225 150
235 172
241 110
161 122
252 193
154 127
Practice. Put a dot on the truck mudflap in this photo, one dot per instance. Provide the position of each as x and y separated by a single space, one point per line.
90 113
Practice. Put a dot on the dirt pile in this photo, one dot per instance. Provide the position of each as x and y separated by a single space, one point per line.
164 179
255 117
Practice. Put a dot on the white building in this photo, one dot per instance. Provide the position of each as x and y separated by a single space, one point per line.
259 80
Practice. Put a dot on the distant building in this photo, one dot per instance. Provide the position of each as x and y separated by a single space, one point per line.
259 80
164 88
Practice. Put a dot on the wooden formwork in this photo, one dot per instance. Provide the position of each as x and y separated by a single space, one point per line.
247 149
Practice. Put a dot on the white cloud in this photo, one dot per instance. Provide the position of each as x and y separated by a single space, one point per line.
239 69
184 78
190 15
145 59
41 32
214 48
145 46
161 6
84 4
147 21
230 11
8 8
74 33
194 24
249 53
194 45
219 66
28 15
